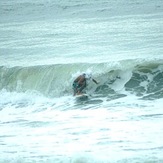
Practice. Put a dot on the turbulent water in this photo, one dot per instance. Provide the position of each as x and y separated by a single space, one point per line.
45 45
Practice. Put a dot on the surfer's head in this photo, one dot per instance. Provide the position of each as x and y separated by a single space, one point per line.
88 75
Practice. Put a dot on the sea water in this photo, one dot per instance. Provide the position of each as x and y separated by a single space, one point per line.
45 45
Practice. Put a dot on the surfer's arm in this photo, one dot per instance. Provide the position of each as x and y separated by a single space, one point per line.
95 81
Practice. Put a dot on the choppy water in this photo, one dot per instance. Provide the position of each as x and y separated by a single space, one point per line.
44 45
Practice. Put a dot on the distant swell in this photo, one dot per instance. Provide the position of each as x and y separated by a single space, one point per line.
144 79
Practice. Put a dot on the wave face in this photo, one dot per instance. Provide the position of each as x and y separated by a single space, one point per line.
142 78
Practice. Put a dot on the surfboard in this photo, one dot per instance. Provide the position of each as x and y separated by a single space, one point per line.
81 97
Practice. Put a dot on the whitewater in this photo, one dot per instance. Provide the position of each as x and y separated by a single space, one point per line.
45 45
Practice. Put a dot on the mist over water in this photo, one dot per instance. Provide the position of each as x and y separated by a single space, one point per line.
45 45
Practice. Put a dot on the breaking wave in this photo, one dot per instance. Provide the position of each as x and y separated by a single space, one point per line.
142 78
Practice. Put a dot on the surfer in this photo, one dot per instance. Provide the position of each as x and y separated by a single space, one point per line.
80 83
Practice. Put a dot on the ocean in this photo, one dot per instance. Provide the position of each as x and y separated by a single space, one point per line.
45 45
